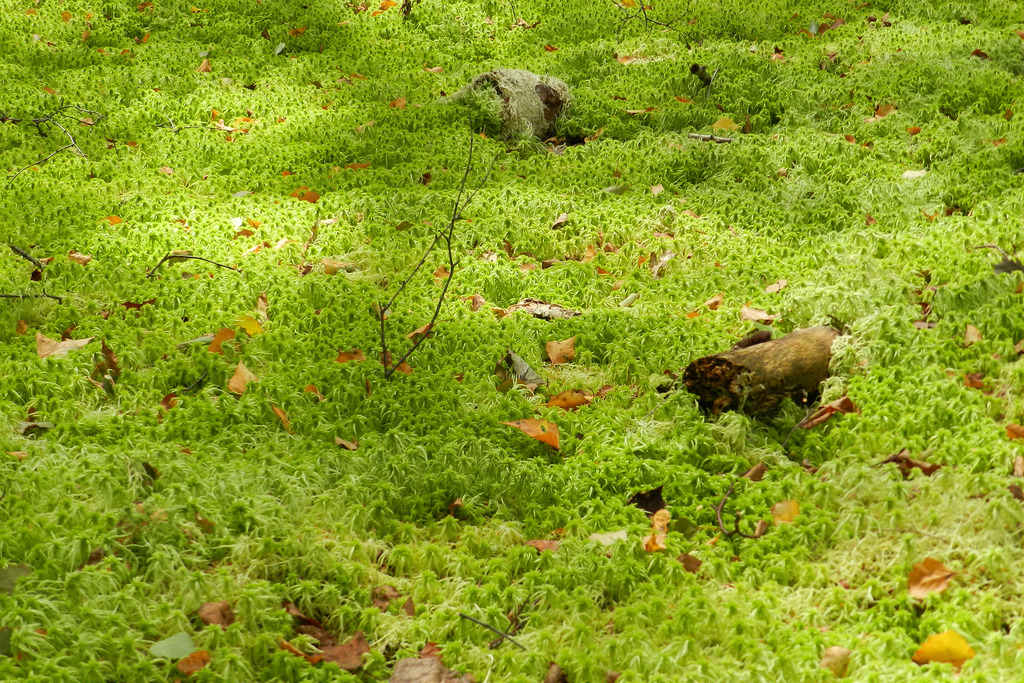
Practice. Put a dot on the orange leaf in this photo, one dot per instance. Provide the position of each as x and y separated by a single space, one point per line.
297 31
283 417
550 48
542 430
542 545
113 220
242 378
841 405
65 16
561 351
311 389
979 54
1014 431
351 354
194 662
358 167
222 336
397 104
21 327
441 274
785 512
570 399
682 99
913 130
949 647
929 576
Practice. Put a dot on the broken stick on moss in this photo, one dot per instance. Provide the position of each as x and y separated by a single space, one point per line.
758 378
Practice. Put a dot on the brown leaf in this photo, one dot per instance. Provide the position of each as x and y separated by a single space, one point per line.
658 265
349 656
544 431
219 613
756 472
240 379
194 662
690 563
550 48
383 595
21 327
822 414
288 647
430 651
1018 467
785 512
979 54
972 335
836 659
476 302
283 417
204 67
756 315
714 302
570 399
906 464
358 167
561 351
80 259
441 274
350 355
657 189
216 346
776 286
881 111
562 219
928 576
46 347
949 647
397 104
542 545
166 170
433 69
973 380
409 607
1014 431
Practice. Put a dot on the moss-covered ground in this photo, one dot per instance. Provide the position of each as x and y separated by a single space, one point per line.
131 514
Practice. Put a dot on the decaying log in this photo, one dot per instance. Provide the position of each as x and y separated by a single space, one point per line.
756 379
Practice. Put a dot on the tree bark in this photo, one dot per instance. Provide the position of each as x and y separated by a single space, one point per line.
756 379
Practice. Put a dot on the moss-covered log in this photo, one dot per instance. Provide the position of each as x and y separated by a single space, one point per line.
756 379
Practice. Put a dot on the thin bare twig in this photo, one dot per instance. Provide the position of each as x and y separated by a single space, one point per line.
51 119
173 256
383 310
196 383
27 256
736 519
710 138
44 295
500 633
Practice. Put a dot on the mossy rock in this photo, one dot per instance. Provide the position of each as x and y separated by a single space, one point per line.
516 102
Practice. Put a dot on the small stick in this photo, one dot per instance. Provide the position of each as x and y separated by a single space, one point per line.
27 256
196 383
46 158
44 295
736 525
710 138
172 256
500 633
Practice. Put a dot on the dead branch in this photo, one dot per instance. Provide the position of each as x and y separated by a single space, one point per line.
639 11
42 125
382 311
710 138
500 633
758 532
27 256
44 295
173 257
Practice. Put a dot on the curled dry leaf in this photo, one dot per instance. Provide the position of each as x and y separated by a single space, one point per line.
570 399
561 352
193 662
441 274
1014 431
219 613
542 430
562 219
714 302
350 355
250 325
241 379
906 464
785 511
822 414
476 302
513 370
928 576
949 647
347 445
204 67
46 347
836 659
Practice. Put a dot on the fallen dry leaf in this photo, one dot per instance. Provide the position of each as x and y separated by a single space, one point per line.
756 472
193 662
658 264
46 347
562 219
441 274
755 315
347 445
250 325
240 379
881 111
570 399
283 417
542 545
610 537
349 656
659 530
657 189
542 310
80 259
561 351
350 355
949 647
1014 431
822 414
1018 467
725 123
836 659
972 335
906 464
216 346
714 302
542 430
397 104
785 511
204 67
777 286
21 327
219 613
690 563
476 302
928 576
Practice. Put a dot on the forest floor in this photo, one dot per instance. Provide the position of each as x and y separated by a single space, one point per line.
205 475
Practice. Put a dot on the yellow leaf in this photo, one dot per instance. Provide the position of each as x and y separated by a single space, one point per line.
725 123
570 399
240 379
250 325
785 512
949 647
628 3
